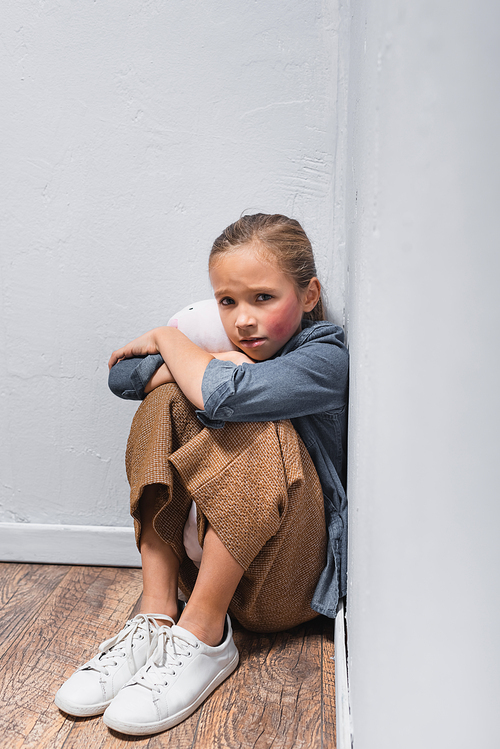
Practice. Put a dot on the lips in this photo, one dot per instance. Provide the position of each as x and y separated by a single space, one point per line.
251 342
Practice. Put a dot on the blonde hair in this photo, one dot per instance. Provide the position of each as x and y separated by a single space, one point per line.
283 238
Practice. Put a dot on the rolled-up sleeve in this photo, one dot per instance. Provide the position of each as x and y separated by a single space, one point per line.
309 379
128 378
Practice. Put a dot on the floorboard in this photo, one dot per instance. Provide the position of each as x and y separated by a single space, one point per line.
52 617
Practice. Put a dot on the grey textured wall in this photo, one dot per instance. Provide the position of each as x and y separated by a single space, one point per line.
133 133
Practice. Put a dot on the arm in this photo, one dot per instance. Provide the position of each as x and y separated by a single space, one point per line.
310 379
128 377
133 379
163 374
160 377
184 362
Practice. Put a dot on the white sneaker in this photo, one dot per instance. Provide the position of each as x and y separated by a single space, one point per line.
180 674
92 687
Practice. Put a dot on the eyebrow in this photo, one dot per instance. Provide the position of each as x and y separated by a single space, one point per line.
260 289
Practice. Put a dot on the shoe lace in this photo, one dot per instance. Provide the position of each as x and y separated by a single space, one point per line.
122 644
170 650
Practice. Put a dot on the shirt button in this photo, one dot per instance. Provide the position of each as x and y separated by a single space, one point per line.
225 412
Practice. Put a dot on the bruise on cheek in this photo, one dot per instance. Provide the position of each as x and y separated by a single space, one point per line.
282 323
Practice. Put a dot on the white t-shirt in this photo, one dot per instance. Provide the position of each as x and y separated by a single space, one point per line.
190 537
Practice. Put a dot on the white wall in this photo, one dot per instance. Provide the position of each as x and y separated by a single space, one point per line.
423 315
133 133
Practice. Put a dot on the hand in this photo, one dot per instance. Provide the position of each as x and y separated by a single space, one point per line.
145 344
185 363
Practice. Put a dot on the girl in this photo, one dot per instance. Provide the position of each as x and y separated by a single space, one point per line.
256 437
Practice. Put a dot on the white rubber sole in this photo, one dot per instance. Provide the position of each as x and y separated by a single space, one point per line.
81 711
147 729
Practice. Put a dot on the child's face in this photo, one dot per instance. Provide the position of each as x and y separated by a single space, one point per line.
259 306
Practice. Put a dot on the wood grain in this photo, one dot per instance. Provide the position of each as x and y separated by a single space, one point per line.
273 699
20 598
53 617
328 687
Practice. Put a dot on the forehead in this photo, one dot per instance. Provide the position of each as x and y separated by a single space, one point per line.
250 263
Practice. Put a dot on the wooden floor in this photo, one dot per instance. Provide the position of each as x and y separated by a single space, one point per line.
52 617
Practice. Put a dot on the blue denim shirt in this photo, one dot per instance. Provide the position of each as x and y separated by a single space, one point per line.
305 382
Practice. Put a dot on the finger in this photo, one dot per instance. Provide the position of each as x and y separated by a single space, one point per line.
115 357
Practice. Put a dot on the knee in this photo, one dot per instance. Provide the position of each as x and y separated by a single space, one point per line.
166 397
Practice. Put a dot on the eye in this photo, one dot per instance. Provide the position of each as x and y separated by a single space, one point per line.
264 297
226 301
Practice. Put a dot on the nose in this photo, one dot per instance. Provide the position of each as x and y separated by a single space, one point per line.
245 317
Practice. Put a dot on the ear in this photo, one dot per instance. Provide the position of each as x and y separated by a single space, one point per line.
311 295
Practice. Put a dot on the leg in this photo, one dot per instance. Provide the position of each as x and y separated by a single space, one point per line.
217 580
191 659
160 564
250 488
92 687
160 506
159 503
251 493
260 493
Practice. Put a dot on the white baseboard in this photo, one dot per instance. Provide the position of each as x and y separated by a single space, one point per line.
343 712
68 544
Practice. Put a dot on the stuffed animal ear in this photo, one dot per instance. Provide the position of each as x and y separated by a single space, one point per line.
201 323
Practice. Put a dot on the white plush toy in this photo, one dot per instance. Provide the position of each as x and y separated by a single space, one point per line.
201 323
